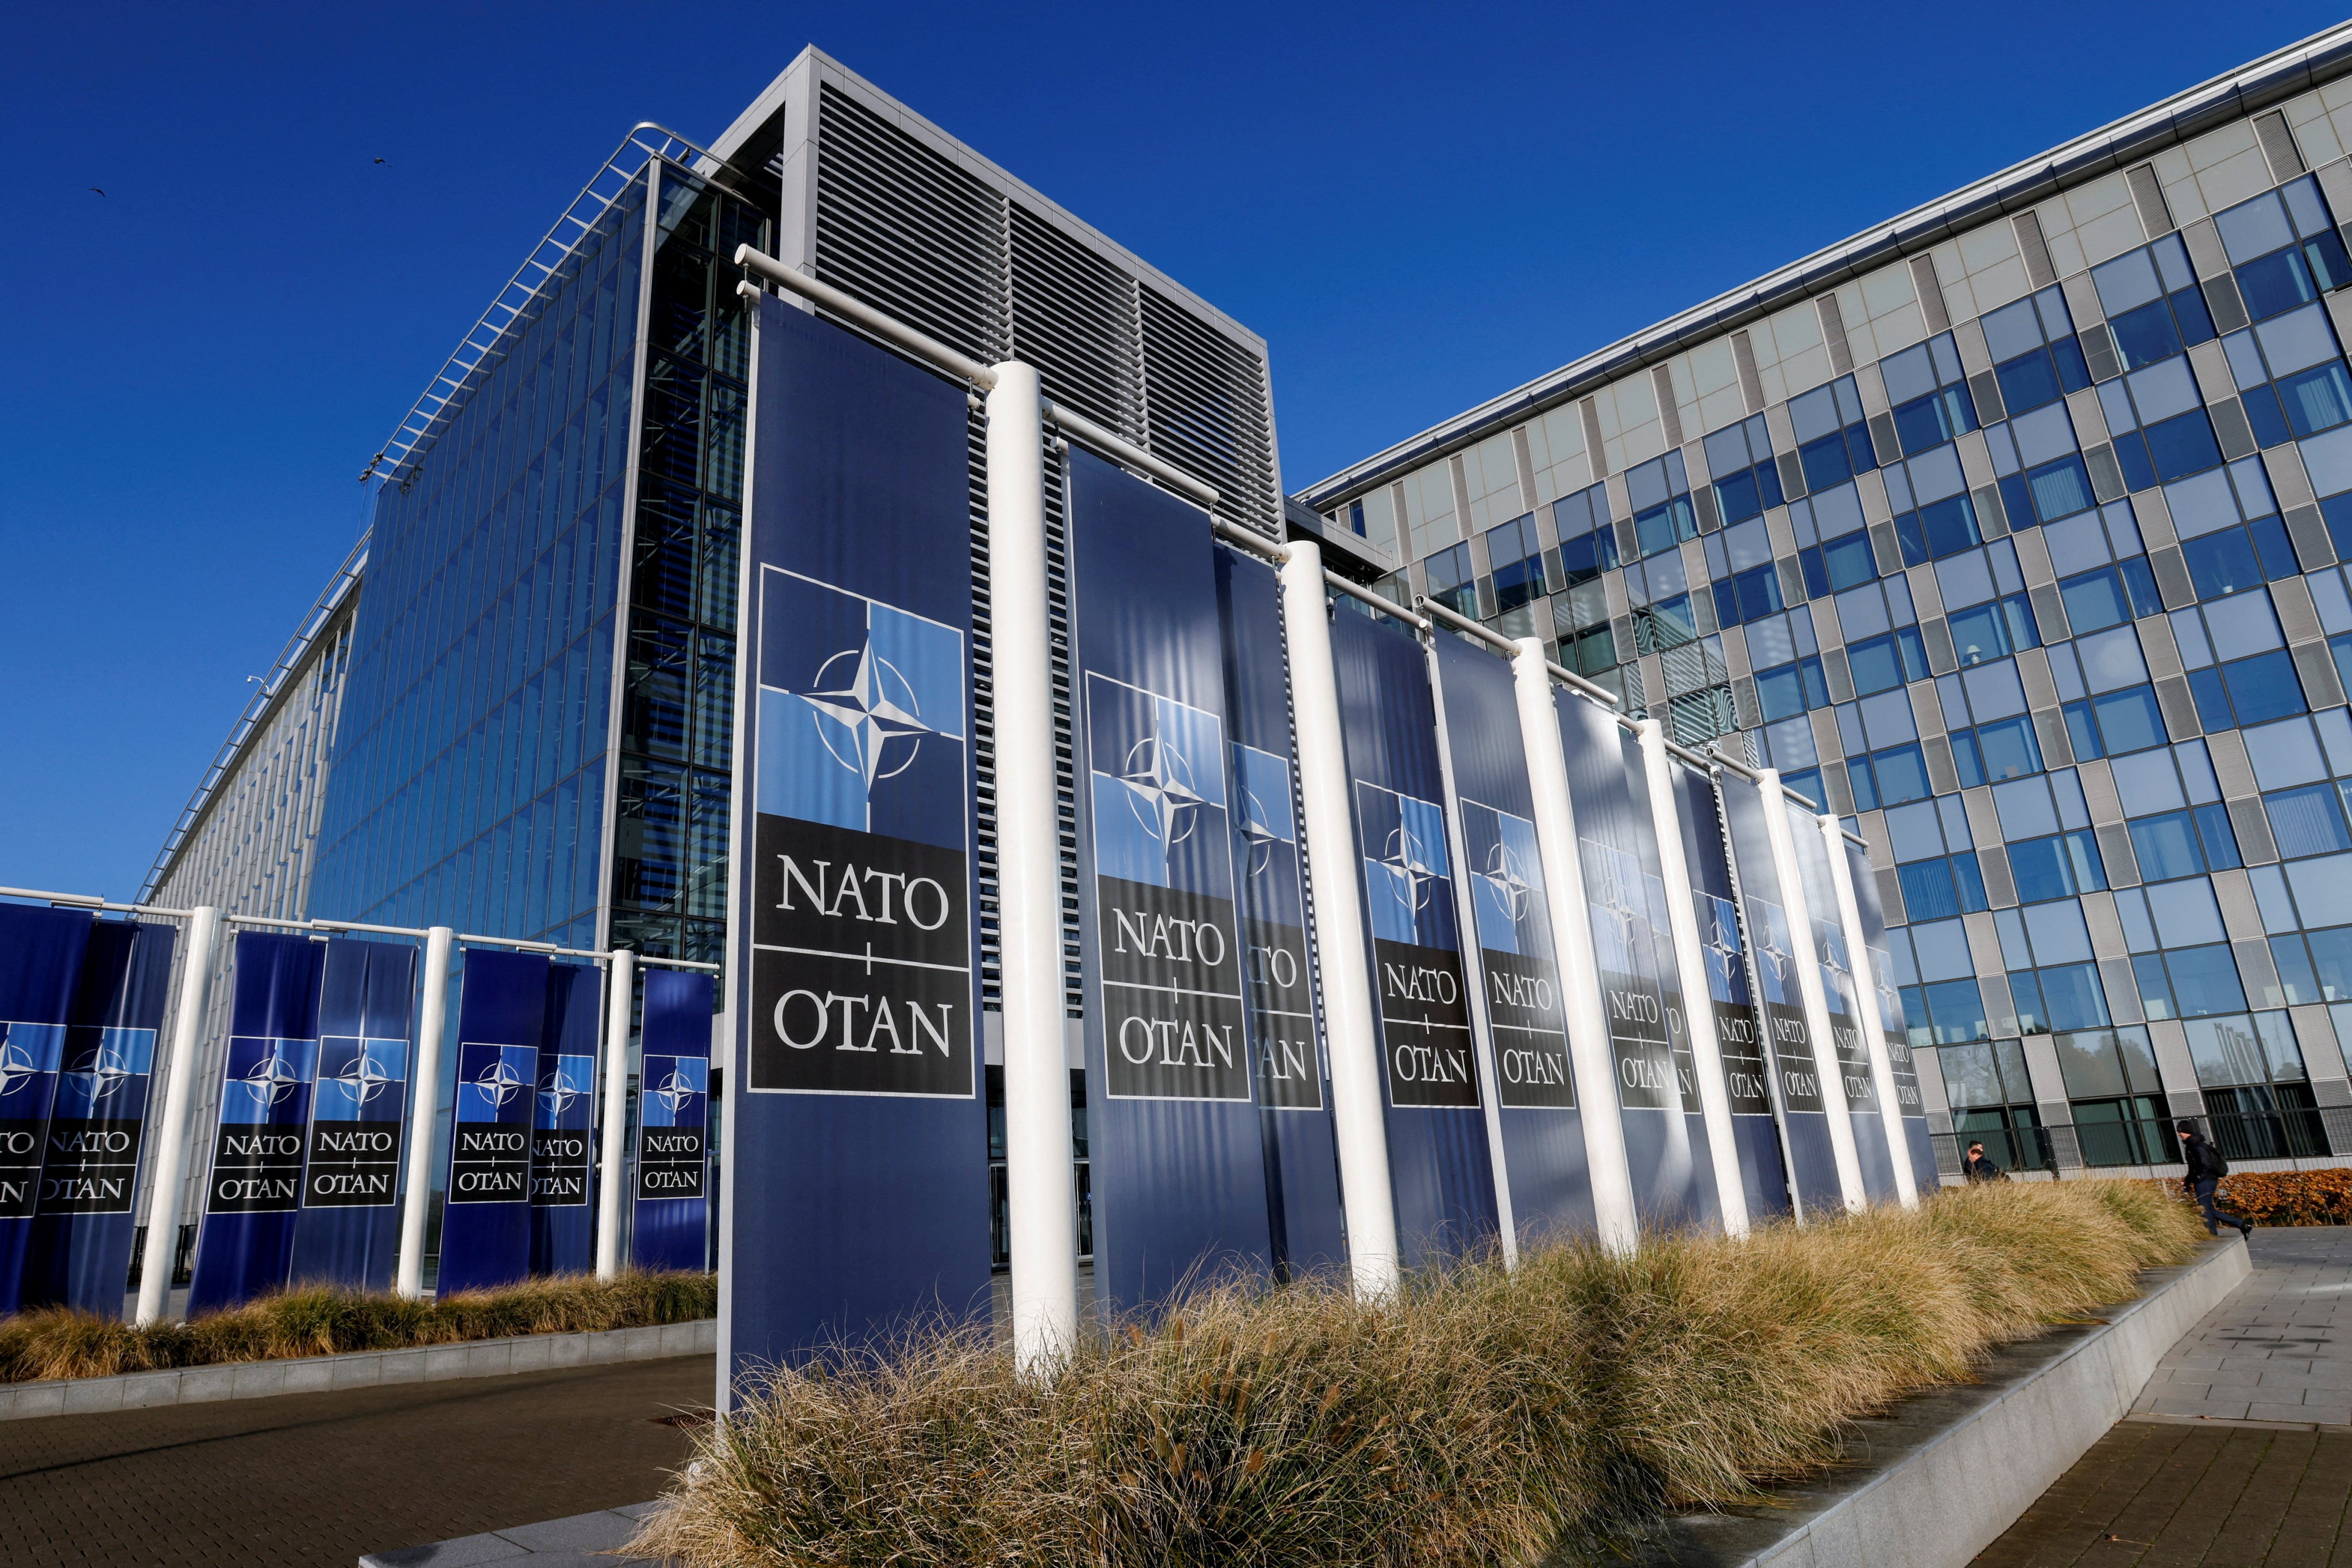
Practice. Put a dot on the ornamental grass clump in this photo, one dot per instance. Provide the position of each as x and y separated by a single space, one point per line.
1477 1416
308 1321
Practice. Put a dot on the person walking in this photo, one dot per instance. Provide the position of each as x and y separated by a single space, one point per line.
2206 1169
1979 1169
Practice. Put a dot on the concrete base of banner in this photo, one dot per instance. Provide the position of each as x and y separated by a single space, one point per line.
1937 1480
361 1369
583 1541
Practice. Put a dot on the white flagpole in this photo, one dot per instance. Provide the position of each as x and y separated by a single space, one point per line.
1041 1190
424 1109
620 1001
179 1088
1873 1029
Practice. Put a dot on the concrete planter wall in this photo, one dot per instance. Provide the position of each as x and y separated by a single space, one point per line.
1938 1480
361 1369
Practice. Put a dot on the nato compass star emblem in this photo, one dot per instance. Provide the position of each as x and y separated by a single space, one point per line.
674 1092
99 1073
558 1096
1617 907
15 1069
366 1081
1260 838
871 722
1771 953
272 1079
499 1083
1508 878
1722 941
1404 854
1159 790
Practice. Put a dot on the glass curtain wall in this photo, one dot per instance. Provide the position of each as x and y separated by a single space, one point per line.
469 790
678 701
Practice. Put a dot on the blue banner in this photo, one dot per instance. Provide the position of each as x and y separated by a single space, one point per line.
564 1122
89 1171
349 1222
253 1190
1518 968
1304 1222
1857 1090
1739 1026
1772 972
1177 1160
1885 1011
672 1224
41 956
486 1224
1439 1166
858 1191
1617 847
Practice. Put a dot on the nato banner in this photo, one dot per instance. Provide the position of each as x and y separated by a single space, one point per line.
1178 1160
1885 1011
671 1228
1518 969
350 1177
501 1020
1617 847
268 1073
1739 1026
857 1135
1302 1166
83 1231
1855 1088
41 956
1439 1165
1772 970
564 1122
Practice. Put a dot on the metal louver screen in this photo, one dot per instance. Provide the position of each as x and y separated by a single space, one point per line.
908 232
904 228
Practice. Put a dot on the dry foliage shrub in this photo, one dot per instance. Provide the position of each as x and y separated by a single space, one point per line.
2283 1197
1476 1416
58 1342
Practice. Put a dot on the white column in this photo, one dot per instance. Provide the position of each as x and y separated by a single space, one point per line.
424 1109
620 1001
170 1168
1802 954
1327 818
1874 1029
1605 1163
1690 959
1040 1189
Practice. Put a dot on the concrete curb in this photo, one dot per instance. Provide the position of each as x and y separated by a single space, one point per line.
361 1369
1939 1478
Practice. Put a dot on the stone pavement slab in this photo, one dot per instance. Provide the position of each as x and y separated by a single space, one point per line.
2280 1349
316 1481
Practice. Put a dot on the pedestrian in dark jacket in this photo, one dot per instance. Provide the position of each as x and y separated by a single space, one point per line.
1979 1169
2206 1169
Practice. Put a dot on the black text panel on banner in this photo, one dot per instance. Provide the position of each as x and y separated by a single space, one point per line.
1438 1163
1883 1008
1502 877
859 1192
1302 1166
1738 1025
1178 1159
1840 990
1772 971
1667 1152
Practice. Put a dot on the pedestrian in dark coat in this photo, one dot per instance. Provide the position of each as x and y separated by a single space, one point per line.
1979 1169
2206 1169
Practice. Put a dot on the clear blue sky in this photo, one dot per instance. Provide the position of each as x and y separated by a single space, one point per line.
1419 209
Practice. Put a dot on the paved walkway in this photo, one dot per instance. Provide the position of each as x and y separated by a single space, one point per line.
313 1480
2239 1451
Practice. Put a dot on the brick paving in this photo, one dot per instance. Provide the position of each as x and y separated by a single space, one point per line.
313 1480
2239 1452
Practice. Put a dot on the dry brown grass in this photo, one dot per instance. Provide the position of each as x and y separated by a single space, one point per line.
1476 1418
57 1342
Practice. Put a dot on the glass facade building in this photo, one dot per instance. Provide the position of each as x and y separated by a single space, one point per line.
2010 532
